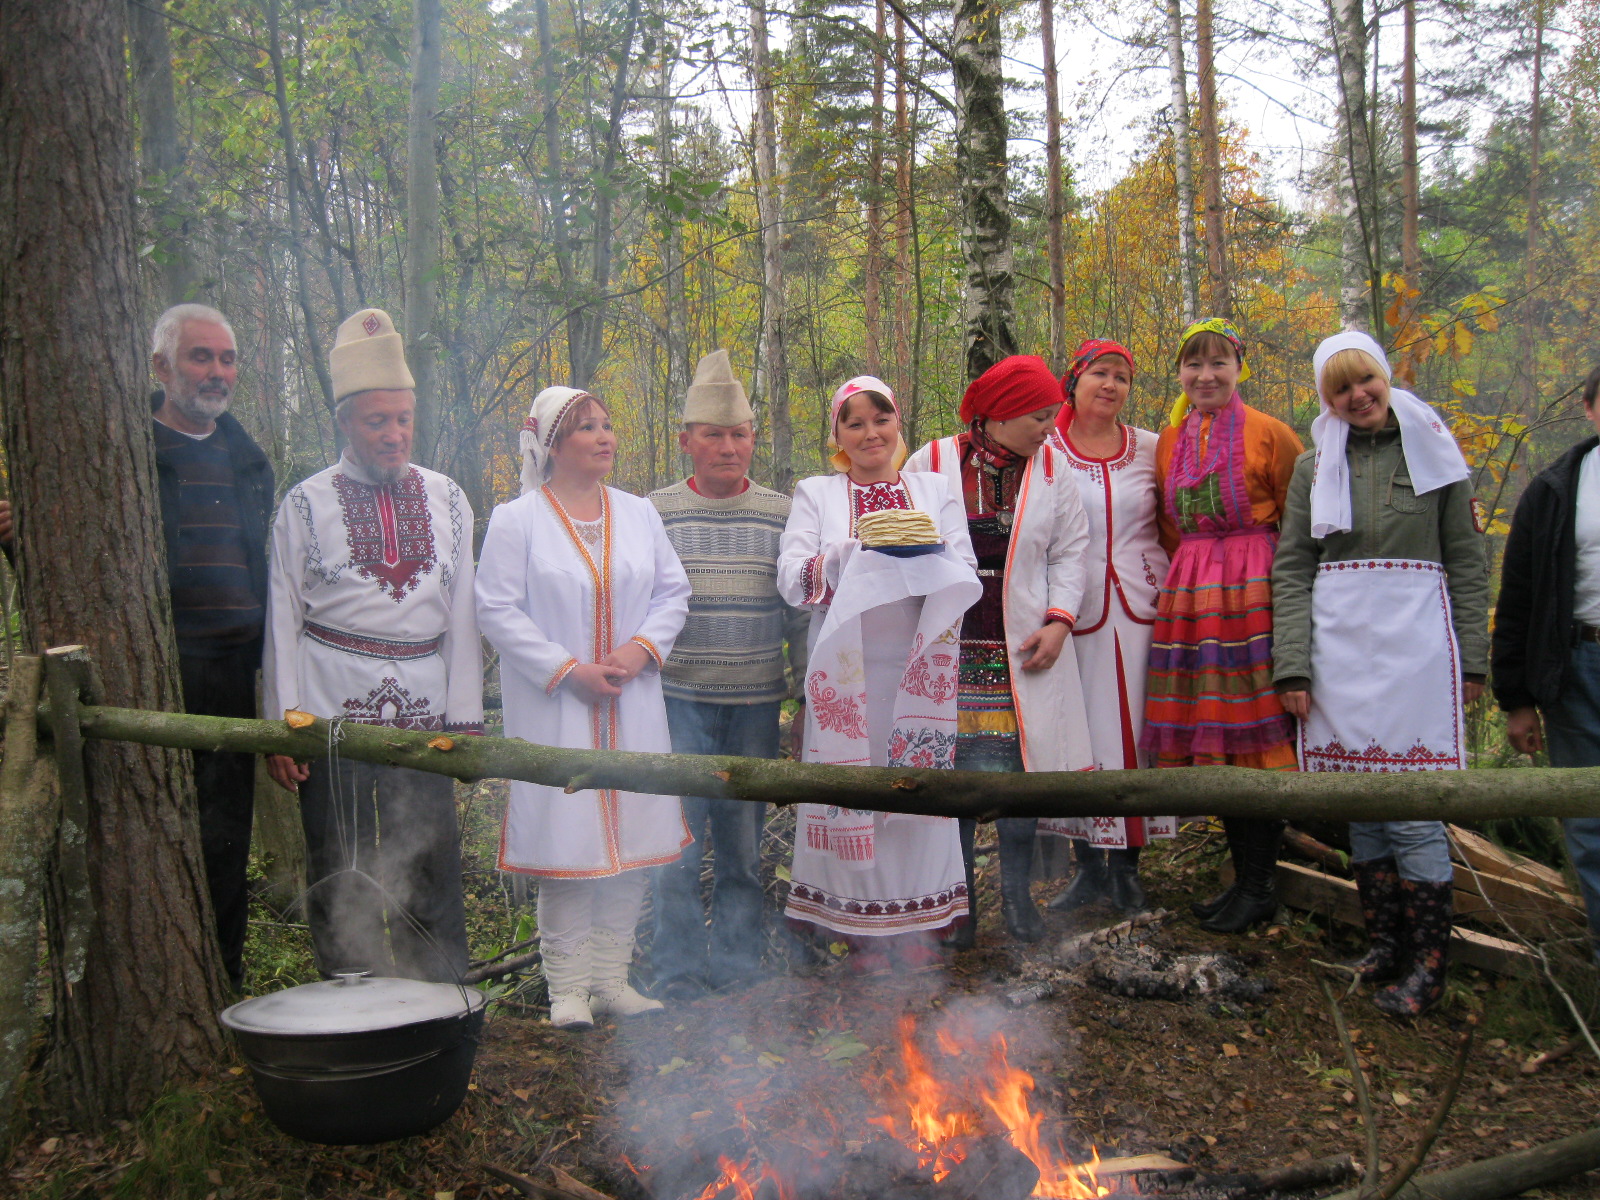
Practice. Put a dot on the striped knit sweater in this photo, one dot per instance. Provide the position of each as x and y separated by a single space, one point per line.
731 650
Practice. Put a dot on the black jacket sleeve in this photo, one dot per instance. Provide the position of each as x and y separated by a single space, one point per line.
1508 651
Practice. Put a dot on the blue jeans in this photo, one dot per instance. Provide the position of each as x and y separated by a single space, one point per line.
1420 849
731 951
1572 735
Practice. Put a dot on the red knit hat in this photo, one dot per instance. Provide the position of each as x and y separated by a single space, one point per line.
1013 387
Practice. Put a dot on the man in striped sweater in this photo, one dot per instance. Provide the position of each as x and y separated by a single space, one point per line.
724 683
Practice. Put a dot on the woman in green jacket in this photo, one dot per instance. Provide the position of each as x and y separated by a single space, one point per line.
1380 605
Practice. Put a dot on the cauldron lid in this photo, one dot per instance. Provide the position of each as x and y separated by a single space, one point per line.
351 1003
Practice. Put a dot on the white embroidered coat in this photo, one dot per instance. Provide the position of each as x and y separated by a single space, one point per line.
547 602
1046 568
370 614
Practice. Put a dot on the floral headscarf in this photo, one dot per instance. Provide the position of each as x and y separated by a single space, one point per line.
1209 325
1089 352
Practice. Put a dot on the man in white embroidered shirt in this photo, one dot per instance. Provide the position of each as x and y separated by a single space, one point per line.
370 619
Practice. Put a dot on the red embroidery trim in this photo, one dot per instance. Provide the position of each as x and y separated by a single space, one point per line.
390 531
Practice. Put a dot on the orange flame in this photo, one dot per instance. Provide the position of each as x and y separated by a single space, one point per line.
1059 1178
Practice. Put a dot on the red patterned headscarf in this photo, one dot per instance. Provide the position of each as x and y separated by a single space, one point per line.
1089 352
1013 387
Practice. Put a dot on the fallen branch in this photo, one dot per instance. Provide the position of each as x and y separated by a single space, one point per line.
564 1188
498 970
1226 791
1430 1131
1508 1175
1319 1172
1358 1084
1555 1054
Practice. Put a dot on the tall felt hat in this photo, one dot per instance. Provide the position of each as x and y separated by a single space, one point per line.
368 355
716 397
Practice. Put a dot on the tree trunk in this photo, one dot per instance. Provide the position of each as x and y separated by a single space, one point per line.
872 290
676 282
1217 273
1359 258
903 284
1183 164
1411 203
774 300
1055 214
556 193
167 193
1460 796
422 224
981 170
90 553
1528 334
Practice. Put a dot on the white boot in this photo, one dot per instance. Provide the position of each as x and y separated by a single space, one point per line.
610 956
567 974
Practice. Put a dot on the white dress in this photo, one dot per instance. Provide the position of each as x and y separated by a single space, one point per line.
1112 637
909 875
547 601
370 615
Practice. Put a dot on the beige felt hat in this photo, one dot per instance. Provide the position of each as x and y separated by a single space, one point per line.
716 397
368 355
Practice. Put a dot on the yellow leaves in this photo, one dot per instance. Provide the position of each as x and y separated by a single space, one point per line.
1513 428
1463 340
1488 322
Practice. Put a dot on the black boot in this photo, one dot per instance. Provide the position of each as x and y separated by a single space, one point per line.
1232 829
1428 909
1122 867
1022 918
1255 896
1089 884
963 931
1378 882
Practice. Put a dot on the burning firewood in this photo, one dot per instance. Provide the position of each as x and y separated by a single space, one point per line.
993 1169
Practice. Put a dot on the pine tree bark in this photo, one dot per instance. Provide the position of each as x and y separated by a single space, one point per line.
1217 273
90 554
676 283
1055 212
1183 164
1359 202
904 381
422 224
1411 203
872 285
774 298
982 172
1528 333
168 194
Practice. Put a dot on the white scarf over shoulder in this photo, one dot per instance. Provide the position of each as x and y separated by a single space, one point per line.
1433 459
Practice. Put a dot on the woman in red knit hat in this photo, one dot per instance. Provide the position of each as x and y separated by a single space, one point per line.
1019 703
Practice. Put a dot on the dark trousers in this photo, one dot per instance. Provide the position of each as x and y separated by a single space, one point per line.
225 785
383 868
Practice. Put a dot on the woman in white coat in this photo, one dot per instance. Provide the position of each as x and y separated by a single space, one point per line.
880 685
582 594
1114 466
1021 707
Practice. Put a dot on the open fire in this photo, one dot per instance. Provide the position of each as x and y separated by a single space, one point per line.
961 1128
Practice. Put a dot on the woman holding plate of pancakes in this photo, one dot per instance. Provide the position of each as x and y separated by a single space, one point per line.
882 559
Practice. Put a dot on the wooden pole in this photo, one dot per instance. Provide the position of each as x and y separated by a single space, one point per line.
1224 791
1508 1175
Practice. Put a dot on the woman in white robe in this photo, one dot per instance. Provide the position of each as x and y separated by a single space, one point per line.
880 685
1021 705
1114 466
583 596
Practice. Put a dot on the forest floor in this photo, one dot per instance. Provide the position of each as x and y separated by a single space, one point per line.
810 1055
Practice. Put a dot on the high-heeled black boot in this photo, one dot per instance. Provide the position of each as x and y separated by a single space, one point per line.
1255 896
963 934
1089 884
1122 871
1021 914
1232 830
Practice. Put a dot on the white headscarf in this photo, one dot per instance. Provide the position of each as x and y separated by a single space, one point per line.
838 459
539 432
1433 459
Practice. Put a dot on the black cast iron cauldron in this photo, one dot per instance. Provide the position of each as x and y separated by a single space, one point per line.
355 1060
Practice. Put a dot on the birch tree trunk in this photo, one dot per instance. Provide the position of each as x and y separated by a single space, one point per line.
774 302
1055 215
1217 274
1355 147
92 566
981 170
161 174
1411 202
1531 322
422 224
1183 164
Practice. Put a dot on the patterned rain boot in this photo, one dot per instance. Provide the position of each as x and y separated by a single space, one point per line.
1021 914
1428 909
610 994
963 932
1089 885
1378 881
1127 893
566 976
1255 896
1233 830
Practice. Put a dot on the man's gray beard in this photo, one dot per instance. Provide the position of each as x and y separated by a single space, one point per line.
385 474
202 410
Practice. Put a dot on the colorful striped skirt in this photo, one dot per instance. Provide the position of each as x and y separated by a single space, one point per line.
1210 694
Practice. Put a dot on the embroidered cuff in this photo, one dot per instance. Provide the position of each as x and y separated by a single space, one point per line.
1060 614
649 648
815 581
465 728
561 673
